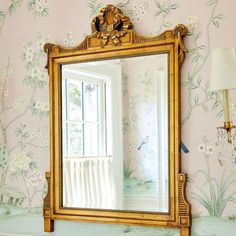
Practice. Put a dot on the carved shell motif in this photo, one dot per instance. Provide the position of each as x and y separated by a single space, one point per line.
110 23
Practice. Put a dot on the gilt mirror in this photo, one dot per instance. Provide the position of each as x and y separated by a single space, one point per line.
115 131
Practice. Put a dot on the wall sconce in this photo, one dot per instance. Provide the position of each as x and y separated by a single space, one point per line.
223 77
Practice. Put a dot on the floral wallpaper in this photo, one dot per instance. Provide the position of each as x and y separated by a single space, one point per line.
25 25
143 97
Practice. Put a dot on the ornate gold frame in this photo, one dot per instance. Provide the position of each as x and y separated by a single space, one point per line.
113 37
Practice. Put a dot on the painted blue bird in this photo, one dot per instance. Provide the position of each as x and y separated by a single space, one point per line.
144 141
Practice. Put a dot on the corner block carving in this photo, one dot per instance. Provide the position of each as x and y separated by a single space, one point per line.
184 205
48 222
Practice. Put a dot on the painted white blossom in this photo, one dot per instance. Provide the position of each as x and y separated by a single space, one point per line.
201 148
21 161
43 76
192 22
32 135
45 107
40 132
139 11
40 43
29 57
41 107
45 2
68 41
39 7
35 72
46 143
209 150
37 105
34 178
29 53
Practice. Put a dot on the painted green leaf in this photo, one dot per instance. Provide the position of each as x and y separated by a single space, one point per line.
207 84
173 6
14 5
216 23
167 25
203 47
205 108
158 5
3 156
197 36
211 2
195 58
123 4
216 104
199 81
157 13
2 15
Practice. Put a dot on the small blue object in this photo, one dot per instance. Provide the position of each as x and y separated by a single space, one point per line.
184 148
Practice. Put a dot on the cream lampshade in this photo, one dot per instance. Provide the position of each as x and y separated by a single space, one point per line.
223 69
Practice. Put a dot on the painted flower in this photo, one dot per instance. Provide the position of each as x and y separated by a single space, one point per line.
29 53
45 2
209 150
34 178
43 76
68 41
32 135
45 107
21 161
37 105
35 72
46 143
29 57
40 132
39 7
201 148
192 22
139 11
40 44
40 108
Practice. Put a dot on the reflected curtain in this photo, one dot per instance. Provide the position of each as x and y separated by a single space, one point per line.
89 183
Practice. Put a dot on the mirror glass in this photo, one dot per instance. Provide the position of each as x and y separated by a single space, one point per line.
115 134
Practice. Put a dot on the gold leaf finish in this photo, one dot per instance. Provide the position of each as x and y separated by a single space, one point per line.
113 37
111 23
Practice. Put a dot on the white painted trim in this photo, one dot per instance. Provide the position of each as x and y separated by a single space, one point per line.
117 135
161 92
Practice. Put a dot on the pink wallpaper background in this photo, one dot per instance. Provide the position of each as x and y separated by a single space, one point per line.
25 25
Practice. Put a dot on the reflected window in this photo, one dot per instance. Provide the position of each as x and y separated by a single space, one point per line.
84 116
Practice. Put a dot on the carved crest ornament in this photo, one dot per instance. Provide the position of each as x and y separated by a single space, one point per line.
110 23
113 36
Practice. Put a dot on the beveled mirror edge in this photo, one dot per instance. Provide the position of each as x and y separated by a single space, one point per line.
96 43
